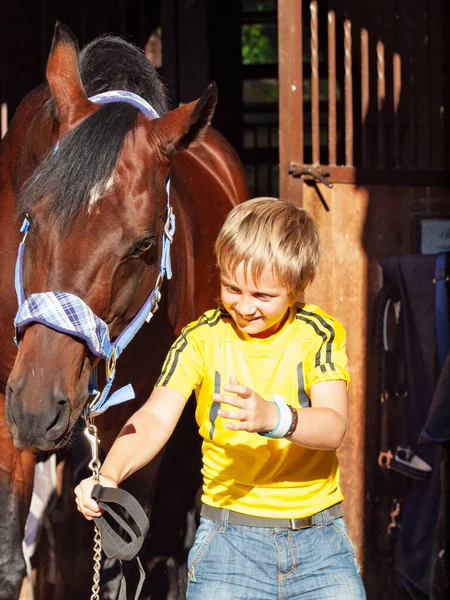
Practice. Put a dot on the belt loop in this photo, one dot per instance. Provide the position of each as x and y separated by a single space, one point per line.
327 517
224 520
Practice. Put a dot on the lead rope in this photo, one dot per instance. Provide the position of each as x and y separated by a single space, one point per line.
90 432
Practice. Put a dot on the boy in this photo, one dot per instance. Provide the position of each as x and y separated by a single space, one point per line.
270 381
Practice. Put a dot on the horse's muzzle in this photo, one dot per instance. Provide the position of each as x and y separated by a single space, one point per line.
36 429
46 389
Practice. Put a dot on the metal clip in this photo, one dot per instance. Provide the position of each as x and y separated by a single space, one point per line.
90 433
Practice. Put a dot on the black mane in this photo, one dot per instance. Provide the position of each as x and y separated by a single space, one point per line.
111 63
87 155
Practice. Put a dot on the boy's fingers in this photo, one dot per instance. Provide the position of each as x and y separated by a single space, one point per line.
85 504
237 415
88 512
232 400
241 390
237 388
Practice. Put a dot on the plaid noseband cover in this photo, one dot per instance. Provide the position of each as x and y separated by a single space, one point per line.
68 314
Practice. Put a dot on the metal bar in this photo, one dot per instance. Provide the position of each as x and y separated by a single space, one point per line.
389 37
297 84
3 119
348 86
397 92
381 99
332 127
365 95
315 114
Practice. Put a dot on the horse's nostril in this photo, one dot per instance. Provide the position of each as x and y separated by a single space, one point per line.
60 421
13 387
9 410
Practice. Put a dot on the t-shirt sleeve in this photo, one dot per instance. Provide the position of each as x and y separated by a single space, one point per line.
327 359
183 368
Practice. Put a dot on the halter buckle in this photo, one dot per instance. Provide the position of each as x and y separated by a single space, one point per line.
167 225
111 364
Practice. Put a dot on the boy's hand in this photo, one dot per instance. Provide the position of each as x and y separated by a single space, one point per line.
253 412
85 504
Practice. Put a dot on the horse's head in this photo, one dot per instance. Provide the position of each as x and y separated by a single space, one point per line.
97 209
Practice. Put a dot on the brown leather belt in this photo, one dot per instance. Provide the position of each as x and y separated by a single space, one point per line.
217 514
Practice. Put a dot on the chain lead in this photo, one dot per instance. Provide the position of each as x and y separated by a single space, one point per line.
90 432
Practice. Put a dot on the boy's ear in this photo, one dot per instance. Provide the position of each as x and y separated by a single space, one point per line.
296 296
308 281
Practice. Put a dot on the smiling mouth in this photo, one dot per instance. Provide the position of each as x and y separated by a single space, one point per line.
246 320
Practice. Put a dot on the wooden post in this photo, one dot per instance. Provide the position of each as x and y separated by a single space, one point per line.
290 61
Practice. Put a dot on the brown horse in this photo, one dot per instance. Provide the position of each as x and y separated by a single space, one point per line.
97 209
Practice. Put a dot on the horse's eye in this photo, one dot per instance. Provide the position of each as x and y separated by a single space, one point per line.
144 245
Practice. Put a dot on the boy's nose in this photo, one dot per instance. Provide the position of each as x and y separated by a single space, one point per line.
246 308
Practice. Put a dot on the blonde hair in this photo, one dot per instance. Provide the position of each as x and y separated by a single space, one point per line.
270 235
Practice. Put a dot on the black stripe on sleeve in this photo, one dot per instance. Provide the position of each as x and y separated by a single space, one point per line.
303 398
328 336
180 344
215 406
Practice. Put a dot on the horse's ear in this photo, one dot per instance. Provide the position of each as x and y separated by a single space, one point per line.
63 77
179 128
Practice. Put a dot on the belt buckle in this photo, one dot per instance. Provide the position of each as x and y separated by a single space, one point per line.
297 524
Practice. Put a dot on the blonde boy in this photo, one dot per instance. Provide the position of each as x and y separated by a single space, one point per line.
270 380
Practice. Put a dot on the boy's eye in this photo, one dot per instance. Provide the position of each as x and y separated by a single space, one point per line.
232 289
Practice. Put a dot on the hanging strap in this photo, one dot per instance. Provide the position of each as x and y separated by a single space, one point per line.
121 510
18 273
441 279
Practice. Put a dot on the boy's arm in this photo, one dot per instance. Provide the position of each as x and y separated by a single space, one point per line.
323 425
141 438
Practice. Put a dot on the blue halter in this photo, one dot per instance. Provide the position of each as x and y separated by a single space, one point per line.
69 314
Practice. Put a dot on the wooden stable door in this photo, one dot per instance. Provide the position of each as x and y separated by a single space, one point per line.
364 146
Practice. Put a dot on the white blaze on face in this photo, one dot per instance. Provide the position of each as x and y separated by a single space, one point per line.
98 190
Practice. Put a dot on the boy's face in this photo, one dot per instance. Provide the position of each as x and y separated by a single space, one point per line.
258 310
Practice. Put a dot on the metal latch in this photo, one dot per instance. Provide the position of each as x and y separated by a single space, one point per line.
310 173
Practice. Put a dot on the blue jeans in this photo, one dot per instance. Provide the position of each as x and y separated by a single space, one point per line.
235 562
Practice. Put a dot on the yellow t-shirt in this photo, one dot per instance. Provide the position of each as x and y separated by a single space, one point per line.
243 471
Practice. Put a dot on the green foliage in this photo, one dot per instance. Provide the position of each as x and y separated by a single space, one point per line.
259 44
